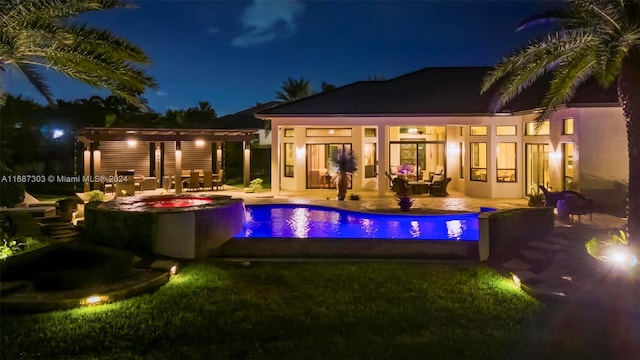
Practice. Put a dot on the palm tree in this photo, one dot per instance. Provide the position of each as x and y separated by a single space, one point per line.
36 35
598 39
292 89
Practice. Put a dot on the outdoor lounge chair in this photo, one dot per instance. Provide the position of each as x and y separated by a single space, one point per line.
401 187
439 188
391 184
577 204
551 197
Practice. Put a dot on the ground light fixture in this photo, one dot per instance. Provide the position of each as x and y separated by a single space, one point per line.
94 300
620 256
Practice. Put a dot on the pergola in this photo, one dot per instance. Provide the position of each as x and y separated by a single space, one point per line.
92 136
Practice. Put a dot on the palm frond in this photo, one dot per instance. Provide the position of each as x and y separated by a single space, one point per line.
38 80
566 79
546 17
106 43
526 66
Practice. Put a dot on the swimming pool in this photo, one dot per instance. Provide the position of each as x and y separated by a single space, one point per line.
310 222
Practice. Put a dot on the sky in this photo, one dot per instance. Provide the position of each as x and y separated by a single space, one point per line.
234 54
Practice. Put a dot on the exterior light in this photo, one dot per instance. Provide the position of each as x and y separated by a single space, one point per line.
413 130
199 143
131 144
516 280
620 256
57 133
173 270
94 300
331 131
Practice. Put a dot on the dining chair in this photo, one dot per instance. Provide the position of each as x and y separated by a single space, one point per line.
207 180
194 181
218 182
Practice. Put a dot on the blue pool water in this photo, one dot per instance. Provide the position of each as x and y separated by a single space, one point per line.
304 221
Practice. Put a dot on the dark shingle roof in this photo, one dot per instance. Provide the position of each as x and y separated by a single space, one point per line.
438 90
244 119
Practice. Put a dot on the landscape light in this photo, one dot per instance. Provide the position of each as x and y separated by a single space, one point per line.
516 280
94 300
620 256
173 270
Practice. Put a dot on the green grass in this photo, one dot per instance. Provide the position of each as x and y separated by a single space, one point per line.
297 310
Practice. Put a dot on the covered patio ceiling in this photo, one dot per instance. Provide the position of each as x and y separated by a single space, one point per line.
93 134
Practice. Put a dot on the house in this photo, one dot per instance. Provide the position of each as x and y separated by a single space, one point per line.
435 118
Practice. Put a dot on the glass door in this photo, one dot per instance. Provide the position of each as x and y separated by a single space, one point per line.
319 175
537 167
570 182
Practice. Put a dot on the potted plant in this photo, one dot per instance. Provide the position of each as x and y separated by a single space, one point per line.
342 163
536 200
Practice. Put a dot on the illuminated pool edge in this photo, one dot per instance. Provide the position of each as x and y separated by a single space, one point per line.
354 248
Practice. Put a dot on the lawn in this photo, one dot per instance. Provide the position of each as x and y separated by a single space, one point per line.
293 310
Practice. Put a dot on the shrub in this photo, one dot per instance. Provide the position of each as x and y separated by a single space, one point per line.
94 195
11 192
14 246
68 266
508 227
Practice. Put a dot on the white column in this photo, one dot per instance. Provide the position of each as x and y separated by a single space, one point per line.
275 159
87 167
383 160
178 171
246 161
97 160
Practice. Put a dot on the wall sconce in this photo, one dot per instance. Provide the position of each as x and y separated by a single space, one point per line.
131 143
454 149
331 131
556 155
300 152
199 143
412 130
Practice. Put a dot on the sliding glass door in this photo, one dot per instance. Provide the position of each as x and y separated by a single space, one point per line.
537 158
319 175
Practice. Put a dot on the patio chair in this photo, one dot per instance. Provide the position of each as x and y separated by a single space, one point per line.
577 204
194 181
391 184
207 180
401 186
218 182
439 188
551 197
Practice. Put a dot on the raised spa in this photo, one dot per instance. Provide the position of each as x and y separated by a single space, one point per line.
179 226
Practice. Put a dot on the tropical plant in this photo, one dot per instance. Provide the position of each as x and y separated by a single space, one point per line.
342 163
405 202
293 89
597 38
37 34
256 184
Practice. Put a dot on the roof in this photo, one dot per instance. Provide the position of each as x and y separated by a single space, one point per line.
435 90
244 119
89 134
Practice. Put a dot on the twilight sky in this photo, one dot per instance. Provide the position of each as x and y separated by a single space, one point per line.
236 53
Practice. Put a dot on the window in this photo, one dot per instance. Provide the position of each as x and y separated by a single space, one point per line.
328 132
370 132
506 162
505 130
478 161
289 159
567 126
288 132
536 128
461 151
478 130
369 160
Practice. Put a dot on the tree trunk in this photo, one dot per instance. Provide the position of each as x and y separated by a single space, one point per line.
629 97
341 184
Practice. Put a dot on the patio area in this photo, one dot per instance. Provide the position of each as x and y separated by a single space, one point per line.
369 200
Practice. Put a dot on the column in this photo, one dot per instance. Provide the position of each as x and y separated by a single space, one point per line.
178 171
383 161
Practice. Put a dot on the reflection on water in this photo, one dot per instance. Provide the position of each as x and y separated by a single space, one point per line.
304 221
